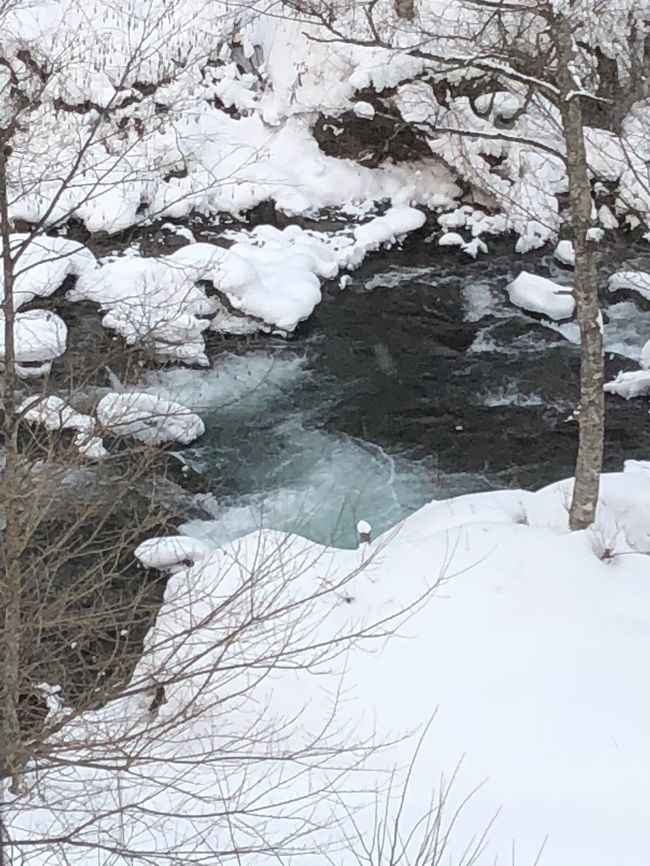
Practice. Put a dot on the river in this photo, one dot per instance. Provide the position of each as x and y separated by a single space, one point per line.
417 381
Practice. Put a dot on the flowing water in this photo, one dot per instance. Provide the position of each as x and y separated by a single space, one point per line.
418 381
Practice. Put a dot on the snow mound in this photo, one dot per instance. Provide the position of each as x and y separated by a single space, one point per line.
39 336
154 302
540 295
622 516
167 554
636 281
44 264
148 418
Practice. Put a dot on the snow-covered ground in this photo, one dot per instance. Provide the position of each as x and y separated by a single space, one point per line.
524 643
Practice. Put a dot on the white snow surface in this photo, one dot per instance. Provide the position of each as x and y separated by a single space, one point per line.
636 281
531 652
541 295
148 418
635 383
54 413
40 336
565 254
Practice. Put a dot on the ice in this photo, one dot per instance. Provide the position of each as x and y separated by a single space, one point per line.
540 295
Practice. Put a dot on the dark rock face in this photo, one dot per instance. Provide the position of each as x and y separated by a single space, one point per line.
371 141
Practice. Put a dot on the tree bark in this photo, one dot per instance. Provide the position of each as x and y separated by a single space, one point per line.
10 578
592 366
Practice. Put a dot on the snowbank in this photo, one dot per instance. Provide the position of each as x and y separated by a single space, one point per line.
514 651
540 295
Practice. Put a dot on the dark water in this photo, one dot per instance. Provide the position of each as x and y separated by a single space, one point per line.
418 381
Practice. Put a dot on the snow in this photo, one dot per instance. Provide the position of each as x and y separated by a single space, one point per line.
530 653
169 553
268 279
148 418
395 224
636 281
541 295
39 336
565 254
44 264
635 383
54 413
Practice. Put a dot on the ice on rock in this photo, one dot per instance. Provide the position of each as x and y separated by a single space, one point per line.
148 418
364 110
637 281
540 295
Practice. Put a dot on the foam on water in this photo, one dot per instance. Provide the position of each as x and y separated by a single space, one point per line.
320 487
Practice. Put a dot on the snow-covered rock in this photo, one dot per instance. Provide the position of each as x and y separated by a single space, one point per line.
635 383
44 264
148 418
167 553
565 254
39 336
54 413
540 295
636 281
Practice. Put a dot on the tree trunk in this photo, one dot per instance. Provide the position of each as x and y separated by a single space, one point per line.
10 578
592 365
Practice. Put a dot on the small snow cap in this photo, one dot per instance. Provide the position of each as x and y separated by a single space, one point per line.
365 531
